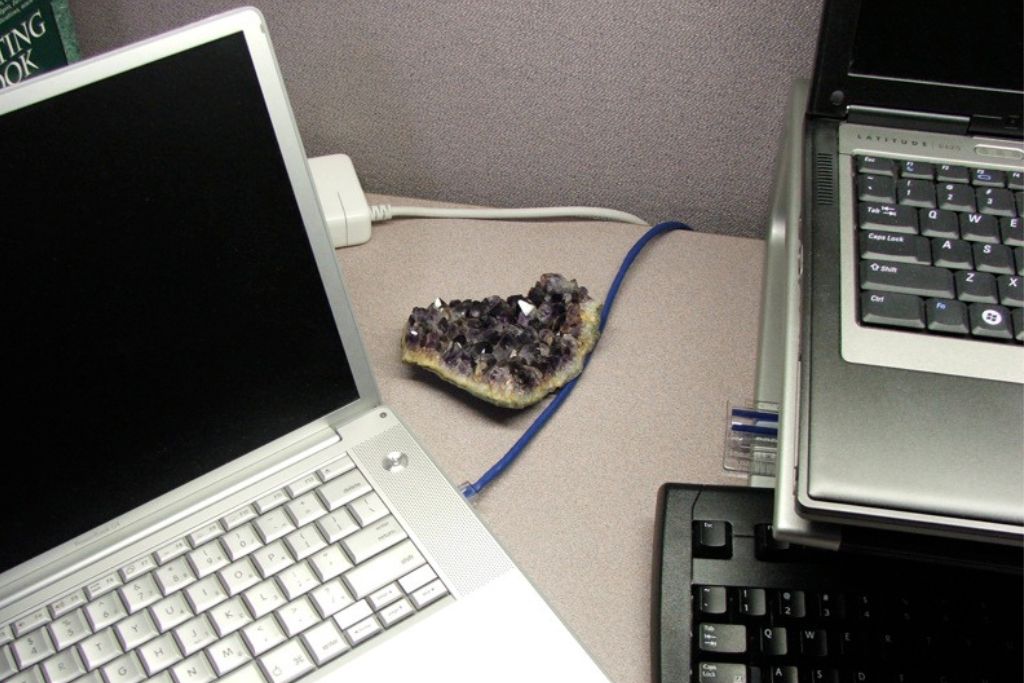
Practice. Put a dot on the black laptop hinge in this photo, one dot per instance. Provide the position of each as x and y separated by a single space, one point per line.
998 126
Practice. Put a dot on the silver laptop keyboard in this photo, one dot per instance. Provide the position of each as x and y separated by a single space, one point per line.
269 592
941 248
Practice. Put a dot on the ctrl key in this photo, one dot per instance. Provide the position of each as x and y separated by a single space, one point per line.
719 672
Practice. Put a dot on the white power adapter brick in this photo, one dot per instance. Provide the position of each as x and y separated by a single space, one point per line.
341 199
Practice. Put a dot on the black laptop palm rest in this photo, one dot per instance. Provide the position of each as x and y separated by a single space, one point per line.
732 605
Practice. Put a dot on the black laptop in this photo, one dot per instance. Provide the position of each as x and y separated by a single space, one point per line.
904 406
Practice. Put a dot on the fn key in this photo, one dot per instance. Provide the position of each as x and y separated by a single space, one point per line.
712 539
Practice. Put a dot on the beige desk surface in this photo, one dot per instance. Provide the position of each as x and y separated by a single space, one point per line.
576 511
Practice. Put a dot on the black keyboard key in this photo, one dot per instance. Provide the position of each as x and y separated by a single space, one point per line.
722 638
917 169
888 246
954 254
976 227
939 223
876 188
830 606
996 201
1015 180
984 177
976 287
714 600
875 165
892 309
955 197
1012 231
791 604
712 539
814 642
907 278
989 320
752 602
1011 290
946 316
947 173
1018 324
888 217
828 675
773 641
1018 256
723 672
993 258
783 674
919 193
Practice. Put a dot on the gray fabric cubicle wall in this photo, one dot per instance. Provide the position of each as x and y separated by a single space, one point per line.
669 110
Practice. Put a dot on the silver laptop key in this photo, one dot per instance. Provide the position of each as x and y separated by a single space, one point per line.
250 673
305 509
106 610
264 598
208 558
337 525
389 566
330 562
274 525
297 580
99 648
230 616
305 542
325 642
368 509
195 634
297 616
227 654
31 621
364 630
61 607
353 614
336 468
287 662
63 666
174 575
171 611
70 629
330 598
394 613
344 489
270 559
307 483
238 517
142 592
239 575
159 654
136 630
241 541
205 594
428 594
125 669
195 669
263 635
375 538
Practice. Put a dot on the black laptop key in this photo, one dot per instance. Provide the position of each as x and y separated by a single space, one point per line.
996 201
955 197
976 287
892 309
993 258
873 165
876 188
919 193
890 217
950 173
1011 290
917 169
946 316
906 278
1012 231
939 223
722 638
990 320
952 253
1015 180
984 177
977 227
888 246
714 600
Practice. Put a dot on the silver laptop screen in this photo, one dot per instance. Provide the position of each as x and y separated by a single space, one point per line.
162 311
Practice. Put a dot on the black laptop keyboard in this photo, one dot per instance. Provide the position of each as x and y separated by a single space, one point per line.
941 248
731 605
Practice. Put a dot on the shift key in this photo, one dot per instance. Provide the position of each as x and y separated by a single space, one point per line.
907 278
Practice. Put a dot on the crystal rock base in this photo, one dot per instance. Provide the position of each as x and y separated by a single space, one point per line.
511 352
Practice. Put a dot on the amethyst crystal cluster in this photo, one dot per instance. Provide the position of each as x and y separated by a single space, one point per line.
510 351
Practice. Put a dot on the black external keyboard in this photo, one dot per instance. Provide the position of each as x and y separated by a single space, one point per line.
941 248
733 605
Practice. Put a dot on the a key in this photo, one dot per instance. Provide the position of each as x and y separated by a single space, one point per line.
722 638
976 287
993 258
988 320
386 567
947 316
70 629
888 246
892 309
876 188
263 635
907 278
887 217
952 254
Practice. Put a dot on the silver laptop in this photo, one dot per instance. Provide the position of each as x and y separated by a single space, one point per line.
901 360
201 480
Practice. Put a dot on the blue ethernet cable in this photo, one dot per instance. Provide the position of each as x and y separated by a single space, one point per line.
473 489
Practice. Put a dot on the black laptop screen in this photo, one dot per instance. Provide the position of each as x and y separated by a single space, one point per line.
162 311
973 44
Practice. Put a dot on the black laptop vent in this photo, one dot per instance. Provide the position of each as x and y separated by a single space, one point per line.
824 179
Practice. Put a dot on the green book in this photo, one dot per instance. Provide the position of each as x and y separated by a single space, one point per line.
35 36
